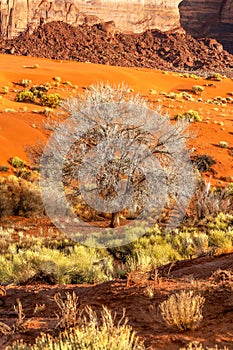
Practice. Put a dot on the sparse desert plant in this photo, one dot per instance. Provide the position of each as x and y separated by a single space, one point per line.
223 144
19 197
32 67
39 90
69 310
19 326
50 100
209 201
95 333
197 89
183 310
215 77
4 168
191 116
204 162
25 96
222 279
24 82
5 90
16 162
196 345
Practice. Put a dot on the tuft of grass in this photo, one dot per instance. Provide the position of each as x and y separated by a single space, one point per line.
68 310
94 333
182 310
196 345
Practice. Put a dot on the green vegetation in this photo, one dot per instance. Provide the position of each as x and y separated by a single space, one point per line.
50 100
93 332
191 115
16 162
25 96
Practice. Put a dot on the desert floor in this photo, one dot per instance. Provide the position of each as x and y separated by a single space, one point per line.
21 124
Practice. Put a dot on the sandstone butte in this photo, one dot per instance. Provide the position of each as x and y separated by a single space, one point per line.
212 18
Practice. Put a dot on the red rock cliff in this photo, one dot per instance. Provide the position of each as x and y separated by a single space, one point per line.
212 18
199 17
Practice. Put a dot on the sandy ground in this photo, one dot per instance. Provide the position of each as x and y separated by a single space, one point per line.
142 311
21 126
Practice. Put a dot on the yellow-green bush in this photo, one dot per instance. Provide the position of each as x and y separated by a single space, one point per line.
25 96
50 100
16 162
191 115
91 335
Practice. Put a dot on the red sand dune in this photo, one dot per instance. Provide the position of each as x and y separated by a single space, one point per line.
21 127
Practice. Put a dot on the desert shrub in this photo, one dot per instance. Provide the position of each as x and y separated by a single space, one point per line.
203 162
197 89
191 115
76 265
19 197
210 201
215 77
39 90
222 279
16 162
25 96
223 144
196 345
95 333
24 82
221 239
182 310
50 100
5 90
188 241
4 168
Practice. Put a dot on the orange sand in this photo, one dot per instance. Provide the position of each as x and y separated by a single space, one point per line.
23 127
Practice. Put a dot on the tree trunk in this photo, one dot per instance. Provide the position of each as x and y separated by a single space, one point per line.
115 220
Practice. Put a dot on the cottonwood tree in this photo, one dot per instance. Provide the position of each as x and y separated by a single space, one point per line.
120 155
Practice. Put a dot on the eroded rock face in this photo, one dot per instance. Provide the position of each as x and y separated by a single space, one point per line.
129 15
211 18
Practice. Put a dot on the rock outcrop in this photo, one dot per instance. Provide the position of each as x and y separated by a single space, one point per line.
209 18
129 15
151 49
212 18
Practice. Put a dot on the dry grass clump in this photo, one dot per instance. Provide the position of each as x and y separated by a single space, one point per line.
198 346
94 333
183 310
19 326
68 310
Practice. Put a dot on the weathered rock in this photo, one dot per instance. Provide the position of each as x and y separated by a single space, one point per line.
153 48
129 15
209 18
